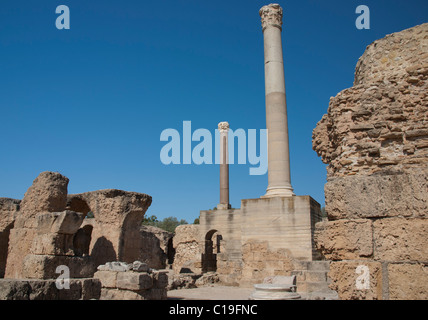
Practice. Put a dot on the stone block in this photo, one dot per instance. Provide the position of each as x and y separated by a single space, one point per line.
91 289
53 244
376 196
107 278
44 266
408 281
66 222
11 289
117 294
346 279
134 281
160 279
399 239
345 239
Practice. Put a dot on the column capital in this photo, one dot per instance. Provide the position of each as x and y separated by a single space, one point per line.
271 16
223 127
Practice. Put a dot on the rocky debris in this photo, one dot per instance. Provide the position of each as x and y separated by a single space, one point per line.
374 139
136 281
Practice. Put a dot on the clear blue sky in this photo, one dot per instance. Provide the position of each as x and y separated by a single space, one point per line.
92 101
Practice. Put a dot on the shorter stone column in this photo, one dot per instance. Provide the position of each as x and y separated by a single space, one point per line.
223 127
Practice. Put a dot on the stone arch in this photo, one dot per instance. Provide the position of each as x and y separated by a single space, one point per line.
212 247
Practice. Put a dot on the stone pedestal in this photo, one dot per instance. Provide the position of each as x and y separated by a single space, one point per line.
284 222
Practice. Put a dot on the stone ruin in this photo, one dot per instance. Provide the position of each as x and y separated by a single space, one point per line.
373 245
50 228
374 139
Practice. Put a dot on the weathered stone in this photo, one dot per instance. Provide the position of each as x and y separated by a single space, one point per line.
44 266
344 280
399 239
48 193
53 244
107 278
79 289
156 247
139 266
9 208
117 266
66 222
408 281
134 281
345 239
391 195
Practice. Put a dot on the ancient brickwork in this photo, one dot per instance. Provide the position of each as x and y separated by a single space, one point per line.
374 139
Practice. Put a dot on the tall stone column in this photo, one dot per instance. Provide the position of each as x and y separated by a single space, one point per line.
223 127
279 180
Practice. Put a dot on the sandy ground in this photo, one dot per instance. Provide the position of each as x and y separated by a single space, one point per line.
211 293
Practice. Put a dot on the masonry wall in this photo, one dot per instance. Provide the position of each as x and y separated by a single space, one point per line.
374 139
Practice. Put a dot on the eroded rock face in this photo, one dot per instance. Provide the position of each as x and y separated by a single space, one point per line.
374 139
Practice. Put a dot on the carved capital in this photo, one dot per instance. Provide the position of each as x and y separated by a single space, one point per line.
223 127
271 16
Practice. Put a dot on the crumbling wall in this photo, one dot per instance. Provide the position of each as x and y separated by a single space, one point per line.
48 193
155 247
374 139
8 210
187 247
113 234
259 261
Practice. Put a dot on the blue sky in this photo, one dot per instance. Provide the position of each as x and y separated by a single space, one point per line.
92 101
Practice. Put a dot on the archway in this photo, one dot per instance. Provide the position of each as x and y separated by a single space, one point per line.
212 247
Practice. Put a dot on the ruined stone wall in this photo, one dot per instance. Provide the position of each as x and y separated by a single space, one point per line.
187 247
154 247
8 210
114 232
374 139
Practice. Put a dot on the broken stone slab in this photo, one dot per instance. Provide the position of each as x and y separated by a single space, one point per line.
286 281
